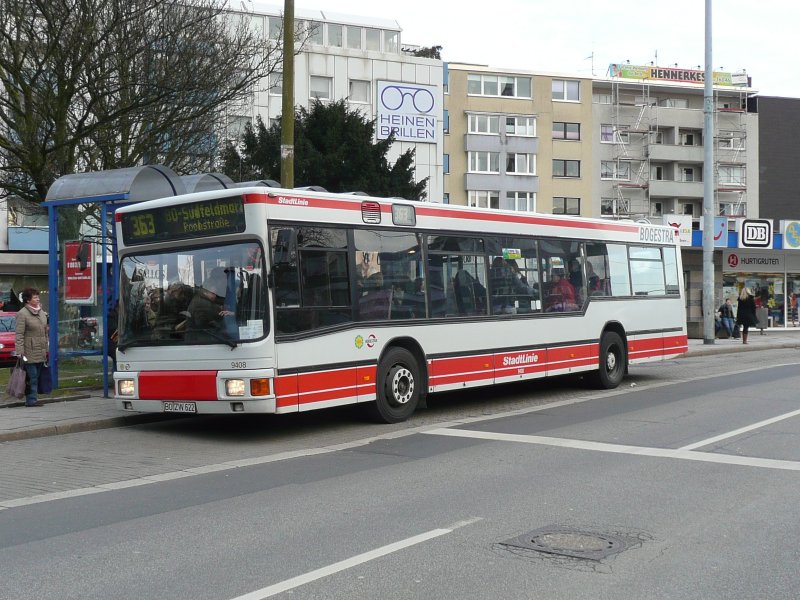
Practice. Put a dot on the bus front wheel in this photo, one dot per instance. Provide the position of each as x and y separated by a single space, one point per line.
612 361
397 387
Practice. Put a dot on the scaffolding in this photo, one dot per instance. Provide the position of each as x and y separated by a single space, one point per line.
730 166
655 162
633 122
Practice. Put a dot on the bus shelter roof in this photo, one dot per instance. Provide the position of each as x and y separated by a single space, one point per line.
133 184
206 182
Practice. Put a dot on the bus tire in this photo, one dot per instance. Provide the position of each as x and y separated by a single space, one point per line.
613 361
398 387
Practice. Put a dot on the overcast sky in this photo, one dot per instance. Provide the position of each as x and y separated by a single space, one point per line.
561 36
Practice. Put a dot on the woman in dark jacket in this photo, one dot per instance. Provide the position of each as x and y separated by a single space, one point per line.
746 312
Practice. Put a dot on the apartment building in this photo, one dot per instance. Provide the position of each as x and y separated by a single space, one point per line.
649 146
361 60
516 140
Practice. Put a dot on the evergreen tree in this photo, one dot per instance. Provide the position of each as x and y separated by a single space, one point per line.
334 148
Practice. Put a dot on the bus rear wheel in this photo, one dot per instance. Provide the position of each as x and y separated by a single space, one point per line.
397 387
612 361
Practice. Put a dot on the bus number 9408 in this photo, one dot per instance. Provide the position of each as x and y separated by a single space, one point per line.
238 364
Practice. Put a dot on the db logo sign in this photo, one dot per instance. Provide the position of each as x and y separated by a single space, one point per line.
756 233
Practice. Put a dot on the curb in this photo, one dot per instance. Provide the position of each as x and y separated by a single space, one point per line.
738 347
50 430
18 403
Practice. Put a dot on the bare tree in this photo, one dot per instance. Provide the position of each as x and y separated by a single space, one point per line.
103 84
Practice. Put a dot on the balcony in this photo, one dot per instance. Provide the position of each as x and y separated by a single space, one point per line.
676 189
673 152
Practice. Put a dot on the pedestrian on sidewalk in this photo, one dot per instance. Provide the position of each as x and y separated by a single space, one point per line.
32 342
746 312
726 316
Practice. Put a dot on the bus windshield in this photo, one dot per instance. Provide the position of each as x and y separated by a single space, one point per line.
202 295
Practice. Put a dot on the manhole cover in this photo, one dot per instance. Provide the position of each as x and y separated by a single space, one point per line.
569 542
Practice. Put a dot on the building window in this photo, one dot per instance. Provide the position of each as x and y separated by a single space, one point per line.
275 27
446 121
566 206
610 134
688 174
391 41
489 124
446 163
566 90
566 131
566 168
359 91
483 199
498 85
484 162
374 39
731 142
688 209
521 164
731 175
354 37
656 209
519 201
603 98
320 87
276 84
691 138
335 38
521 126
657 173
446 198
312 30
611 169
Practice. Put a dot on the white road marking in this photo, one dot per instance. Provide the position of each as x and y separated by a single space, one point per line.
768 463
294 582
259 460
741 430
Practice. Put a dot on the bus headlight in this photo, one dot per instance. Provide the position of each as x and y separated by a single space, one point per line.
234 387
125 387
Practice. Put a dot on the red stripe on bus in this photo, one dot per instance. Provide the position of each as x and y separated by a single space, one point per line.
563 355
326 380
431 211
286 391
483 364
178 385
487 216
322 396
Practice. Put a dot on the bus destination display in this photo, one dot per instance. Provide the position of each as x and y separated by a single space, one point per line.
197 219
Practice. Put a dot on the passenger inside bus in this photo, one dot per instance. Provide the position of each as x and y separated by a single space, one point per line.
561 296
207 311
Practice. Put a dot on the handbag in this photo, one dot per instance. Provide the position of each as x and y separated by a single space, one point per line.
45 379
16 383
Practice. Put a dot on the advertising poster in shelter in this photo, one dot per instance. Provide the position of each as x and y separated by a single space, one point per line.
79 273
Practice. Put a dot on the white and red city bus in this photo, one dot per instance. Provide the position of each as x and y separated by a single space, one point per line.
265 300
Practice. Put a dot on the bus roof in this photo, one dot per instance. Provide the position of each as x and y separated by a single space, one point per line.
323 207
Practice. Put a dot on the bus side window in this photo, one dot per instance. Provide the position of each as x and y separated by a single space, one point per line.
284 270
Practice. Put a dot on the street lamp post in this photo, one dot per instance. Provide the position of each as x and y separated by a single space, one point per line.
287 104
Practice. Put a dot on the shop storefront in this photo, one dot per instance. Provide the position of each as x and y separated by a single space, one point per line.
772 275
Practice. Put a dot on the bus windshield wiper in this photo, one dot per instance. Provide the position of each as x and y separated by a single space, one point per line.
219 337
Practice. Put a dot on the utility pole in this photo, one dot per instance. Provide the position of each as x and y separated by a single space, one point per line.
708 190
287 104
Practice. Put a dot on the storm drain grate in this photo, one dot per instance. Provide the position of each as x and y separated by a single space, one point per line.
568 542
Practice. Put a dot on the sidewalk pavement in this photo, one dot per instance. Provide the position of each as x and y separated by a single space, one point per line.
89 410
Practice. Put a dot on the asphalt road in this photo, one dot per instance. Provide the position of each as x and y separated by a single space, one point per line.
687 476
